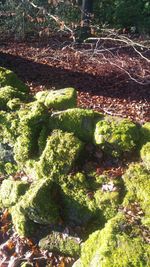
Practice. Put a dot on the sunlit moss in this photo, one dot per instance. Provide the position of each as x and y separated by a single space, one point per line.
137 181
11 191
81 122
58 99
8 77
145 155
61 243
116 135
115 245
59 155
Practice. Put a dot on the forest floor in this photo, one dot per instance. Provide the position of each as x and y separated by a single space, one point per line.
113 81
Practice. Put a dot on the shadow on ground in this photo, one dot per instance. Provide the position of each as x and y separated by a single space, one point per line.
55 77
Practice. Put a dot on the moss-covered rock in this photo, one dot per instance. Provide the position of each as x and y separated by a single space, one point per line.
78 207
81 122
61 151
14 104
58 99
109 195
39 203
115 245
22 224
11 191
61 243
145 155
7 93
32 118
145 133
137 181
116 135
9 124
8 77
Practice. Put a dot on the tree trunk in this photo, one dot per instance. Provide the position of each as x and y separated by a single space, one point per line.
87 9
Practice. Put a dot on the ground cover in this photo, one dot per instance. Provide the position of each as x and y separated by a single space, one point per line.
84 163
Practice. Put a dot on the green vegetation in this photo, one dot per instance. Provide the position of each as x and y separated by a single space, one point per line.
56 149
61 243
116 135
117 244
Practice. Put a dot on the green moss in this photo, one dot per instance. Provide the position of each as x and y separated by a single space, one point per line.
26 264
8 127
145 133
81 122
58 99
114 246
116 135
145 155
23 226
137 181
59 155
78 208
32 118
14 104
61 243
7 93
7 77
11 191
109 195
39 203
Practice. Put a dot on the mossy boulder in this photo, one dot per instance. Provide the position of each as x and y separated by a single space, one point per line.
109 195
39 203
145 133
7 93
116 135
22 224
145 155
11 191
137 181
32 119
9 123
61 243
9 78
58 99
81 122
115 245
78 207
61 151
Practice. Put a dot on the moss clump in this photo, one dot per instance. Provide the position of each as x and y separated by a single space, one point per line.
8 77
115 245
61 243
109 195
39 203
11 191
59 155
14 104
78 208
81 122
23 226
116 135
9 123
145 133
137 181
145 155
7 93
32 118
26 264
58 99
